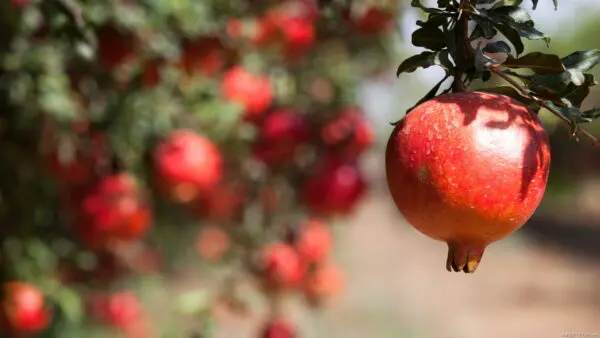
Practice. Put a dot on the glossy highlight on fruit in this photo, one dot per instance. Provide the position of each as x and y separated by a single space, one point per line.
468 169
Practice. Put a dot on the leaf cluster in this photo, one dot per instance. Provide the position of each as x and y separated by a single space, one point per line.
538 79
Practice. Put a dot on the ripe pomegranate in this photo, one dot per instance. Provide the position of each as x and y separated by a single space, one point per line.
325 282
281 265
280 134
115 47
335 188
212 243
253 92
468 169
113 210
22 309
298 35
121 310
349 133
313 241
278 328
188 165
205 55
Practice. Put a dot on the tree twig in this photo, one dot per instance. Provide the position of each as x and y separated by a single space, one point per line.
494 69
462 37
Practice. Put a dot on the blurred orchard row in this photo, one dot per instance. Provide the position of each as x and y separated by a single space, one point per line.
126 124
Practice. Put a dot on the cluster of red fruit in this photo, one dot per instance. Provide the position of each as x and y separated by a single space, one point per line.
110 208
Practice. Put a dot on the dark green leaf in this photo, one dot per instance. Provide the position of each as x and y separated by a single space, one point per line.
443 60
555 4
429 37
519 20
485 26
576 94
571 113
513 36
591 114
430 94
535 3
582 61
482 61
417 4
497 47
503 3
510 14
423 60
443 3
540 63
515 94
487 75
550 84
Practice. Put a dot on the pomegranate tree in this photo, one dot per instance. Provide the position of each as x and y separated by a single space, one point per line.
469 166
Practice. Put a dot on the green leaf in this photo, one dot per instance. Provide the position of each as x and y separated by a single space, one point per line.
512 35
555 4
429 37
518 19
572 113
591 114
535 3
504 3
482 61
486 28
417 4
577 94
582 61
540 63
497 47
443 60
423 60
515 94
510 14
430 94
550 84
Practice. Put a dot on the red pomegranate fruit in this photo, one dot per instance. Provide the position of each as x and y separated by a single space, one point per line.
114 210
205 55
188 165
468 169
324 283
280 134
281 266
253 92
349 133
212 242
335 188
313 241
23 309
278 328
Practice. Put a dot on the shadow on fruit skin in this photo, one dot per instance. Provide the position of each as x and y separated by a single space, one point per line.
574 236
535 158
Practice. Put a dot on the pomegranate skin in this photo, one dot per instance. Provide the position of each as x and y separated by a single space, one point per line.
468 169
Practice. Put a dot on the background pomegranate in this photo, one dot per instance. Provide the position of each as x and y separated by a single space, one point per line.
23 309
468 169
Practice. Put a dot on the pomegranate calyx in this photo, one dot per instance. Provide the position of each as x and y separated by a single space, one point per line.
463 257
